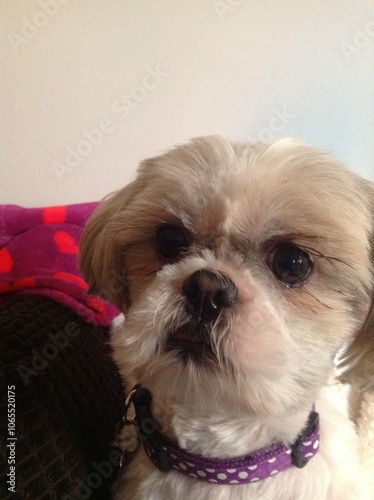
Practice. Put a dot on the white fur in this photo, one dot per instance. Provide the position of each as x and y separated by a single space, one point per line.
333 474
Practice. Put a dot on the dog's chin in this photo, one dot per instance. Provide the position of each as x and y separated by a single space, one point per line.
191 343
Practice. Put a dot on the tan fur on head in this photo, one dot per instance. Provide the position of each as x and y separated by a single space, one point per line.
358 361
240 370
100 257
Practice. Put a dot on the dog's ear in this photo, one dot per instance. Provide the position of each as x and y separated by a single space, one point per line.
358 361
100 258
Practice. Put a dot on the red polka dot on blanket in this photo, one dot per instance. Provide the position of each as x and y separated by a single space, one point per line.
65 242
20 284
96 304
6 261
54 215
71 277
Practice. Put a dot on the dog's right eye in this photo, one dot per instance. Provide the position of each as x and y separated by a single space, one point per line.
171 240
290 264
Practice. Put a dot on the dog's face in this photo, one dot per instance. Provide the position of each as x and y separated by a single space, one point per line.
242 270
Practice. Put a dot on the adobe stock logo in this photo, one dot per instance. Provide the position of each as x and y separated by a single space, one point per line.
224 7
32 26
277 123
362 38
95 479
121 108
41 358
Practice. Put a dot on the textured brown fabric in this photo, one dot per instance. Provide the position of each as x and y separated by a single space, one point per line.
69 399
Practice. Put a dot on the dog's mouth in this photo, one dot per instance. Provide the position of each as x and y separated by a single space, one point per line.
191 342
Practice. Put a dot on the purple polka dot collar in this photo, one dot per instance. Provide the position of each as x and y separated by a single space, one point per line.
258 465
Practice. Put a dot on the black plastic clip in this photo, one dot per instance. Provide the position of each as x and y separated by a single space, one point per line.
148 428
296 449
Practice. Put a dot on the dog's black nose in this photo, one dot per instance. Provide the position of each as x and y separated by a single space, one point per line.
208 293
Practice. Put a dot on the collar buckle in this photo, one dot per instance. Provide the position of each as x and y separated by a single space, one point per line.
148 428
296 449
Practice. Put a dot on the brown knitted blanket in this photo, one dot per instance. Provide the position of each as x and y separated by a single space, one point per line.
58 380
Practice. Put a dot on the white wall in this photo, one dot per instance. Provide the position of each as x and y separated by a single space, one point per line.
244 68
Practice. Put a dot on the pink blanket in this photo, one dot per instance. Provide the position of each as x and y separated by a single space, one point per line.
38 255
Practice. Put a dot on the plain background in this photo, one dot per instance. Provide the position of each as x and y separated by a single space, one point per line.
91 87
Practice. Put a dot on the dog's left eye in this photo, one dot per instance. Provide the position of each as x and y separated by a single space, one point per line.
290 264
171 241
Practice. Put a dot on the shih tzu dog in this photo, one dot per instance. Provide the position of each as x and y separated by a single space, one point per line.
244 272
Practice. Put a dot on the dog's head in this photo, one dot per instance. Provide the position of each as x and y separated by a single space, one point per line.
242 269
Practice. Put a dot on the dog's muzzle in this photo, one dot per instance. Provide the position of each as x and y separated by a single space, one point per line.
207 295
